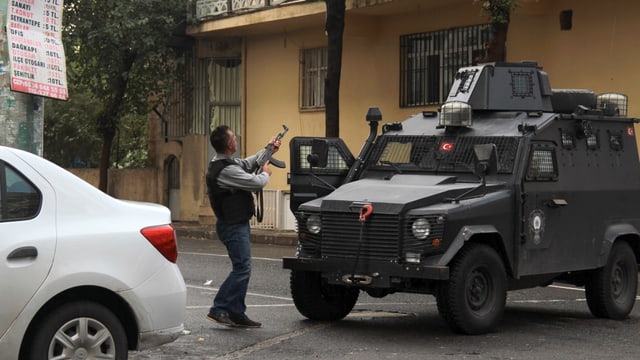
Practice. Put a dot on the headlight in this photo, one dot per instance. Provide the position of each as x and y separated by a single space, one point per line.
313 224
421 228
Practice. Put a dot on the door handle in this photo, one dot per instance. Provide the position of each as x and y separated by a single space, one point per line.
556 203
23 252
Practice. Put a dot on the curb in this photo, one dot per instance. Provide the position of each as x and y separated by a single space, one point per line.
258 236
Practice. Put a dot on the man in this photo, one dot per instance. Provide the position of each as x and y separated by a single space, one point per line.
230 184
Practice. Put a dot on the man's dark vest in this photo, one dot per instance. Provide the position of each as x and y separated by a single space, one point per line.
232 206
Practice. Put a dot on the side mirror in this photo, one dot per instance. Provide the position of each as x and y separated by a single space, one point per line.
485 161
319 153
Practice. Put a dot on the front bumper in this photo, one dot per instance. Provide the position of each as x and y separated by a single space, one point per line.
372 274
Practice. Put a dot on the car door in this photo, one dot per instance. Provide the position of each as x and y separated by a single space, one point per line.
310 182
557 221
27 235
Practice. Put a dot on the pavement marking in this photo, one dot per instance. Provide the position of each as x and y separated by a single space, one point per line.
271 342
249 293
226 256
198 307
374 314
564 287
577 289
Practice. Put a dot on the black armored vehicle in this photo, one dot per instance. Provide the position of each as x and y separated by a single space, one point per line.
510 185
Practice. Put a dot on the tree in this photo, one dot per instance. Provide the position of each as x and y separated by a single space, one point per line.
335 29
70 137
119 53
499 12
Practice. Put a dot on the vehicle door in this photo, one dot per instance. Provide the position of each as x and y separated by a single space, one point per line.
310 182
556 224
27 235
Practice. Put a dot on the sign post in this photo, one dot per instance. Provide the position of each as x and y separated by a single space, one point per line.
32 66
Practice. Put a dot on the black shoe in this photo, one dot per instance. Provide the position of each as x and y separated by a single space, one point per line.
221 317
244 321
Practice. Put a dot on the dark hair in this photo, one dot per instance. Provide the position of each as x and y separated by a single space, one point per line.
220 138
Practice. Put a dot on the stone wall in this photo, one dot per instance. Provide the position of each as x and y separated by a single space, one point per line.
127 184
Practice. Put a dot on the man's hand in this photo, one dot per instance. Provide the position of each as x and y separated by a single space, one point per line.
266 168
276 145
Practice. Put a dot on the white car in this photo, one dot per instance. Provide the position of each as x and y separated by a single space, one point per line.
82 275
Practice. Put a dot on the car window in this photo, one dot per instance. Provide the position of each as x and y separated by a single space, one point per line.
19 198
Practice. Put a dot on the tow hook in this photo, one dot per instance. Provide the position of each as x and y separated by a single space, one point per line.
357 279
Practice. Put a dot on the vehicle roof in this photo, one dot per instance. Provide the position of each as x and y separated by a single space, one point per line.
491 123
484 124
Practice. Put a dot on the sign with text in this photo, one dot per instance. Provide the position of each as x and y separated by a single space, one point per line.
36 53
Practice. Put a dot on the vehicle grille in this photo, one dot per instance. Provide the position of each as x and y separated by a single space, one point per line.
384 237
341 236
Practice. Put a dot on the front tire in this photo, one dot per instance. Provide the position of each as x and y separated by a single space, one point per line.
83 330
473 300
317 300
611 290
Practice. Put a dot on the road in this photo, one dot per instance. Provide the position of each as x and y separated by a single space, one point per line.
542 323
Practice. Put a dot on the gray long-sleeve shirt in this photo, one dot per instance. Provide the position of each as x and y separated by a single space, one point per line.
243 176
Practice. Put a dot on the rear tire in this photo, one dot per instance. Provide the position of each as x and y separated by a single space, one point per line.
81 329
611 290
317 300
473 300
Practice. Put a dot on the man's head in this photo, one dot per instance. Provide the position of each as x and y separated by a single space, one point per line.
223 140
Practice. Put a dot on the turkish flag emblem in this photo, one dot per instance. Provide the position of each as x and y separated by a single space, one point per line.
446 146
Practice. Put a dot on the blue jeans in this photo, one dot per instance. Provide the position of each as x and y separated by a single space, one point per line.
232 292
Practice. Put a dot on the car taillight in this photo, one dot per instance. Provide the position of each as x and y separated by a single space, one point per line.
164 239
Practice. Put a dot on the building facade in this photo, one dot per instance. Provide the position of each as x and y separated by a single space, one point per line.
258 64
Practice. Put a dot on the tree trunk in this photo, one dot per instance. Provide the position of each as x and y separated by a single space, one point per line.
334 29
108 120
105 160
497 48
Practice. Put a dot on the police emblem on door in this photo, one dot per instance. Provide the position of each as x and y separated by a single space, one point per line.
536 226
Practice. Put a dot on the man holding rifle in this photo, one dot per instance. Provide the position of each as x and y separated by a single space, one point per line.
230 184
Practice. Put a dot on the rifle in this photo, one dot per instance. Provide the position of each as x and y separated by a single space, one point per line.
267 155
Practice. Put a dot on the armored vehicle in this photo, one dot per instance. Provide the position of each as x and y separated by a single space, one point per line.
510 185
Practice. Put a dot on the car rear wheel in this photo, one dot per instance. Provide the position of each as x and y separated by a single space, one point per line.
317 300
78 330
473 300
611 290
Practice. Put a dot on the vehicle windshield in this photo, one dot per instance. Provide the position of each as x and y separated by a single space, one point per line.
412 154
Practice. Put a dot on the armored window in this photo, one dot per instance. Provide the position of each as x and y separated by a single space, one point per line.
593 141
409 153
313 71
616 140
19 199
430 61
334 159
339 159
522 84
543 165
568 140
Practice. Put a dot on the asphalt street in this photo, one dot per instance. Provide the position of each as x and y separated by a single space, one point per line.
542 323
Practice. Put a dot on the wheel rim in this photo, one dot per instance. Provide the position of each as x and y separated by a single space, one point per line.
618 281
82 338
478 289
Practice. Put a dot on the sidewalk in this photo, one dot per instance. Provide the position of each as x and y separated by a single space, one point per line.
259 236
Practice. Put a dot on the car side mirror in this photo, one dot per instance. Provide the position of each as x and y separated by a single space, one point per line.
319 153
485 161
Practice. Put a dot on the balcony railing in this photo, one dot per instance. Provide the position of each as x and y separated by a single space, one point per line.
206 9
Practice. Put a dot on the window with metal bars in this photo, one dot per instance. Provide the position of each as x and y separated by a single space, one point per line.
429 62
543 165
335 160
313 71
